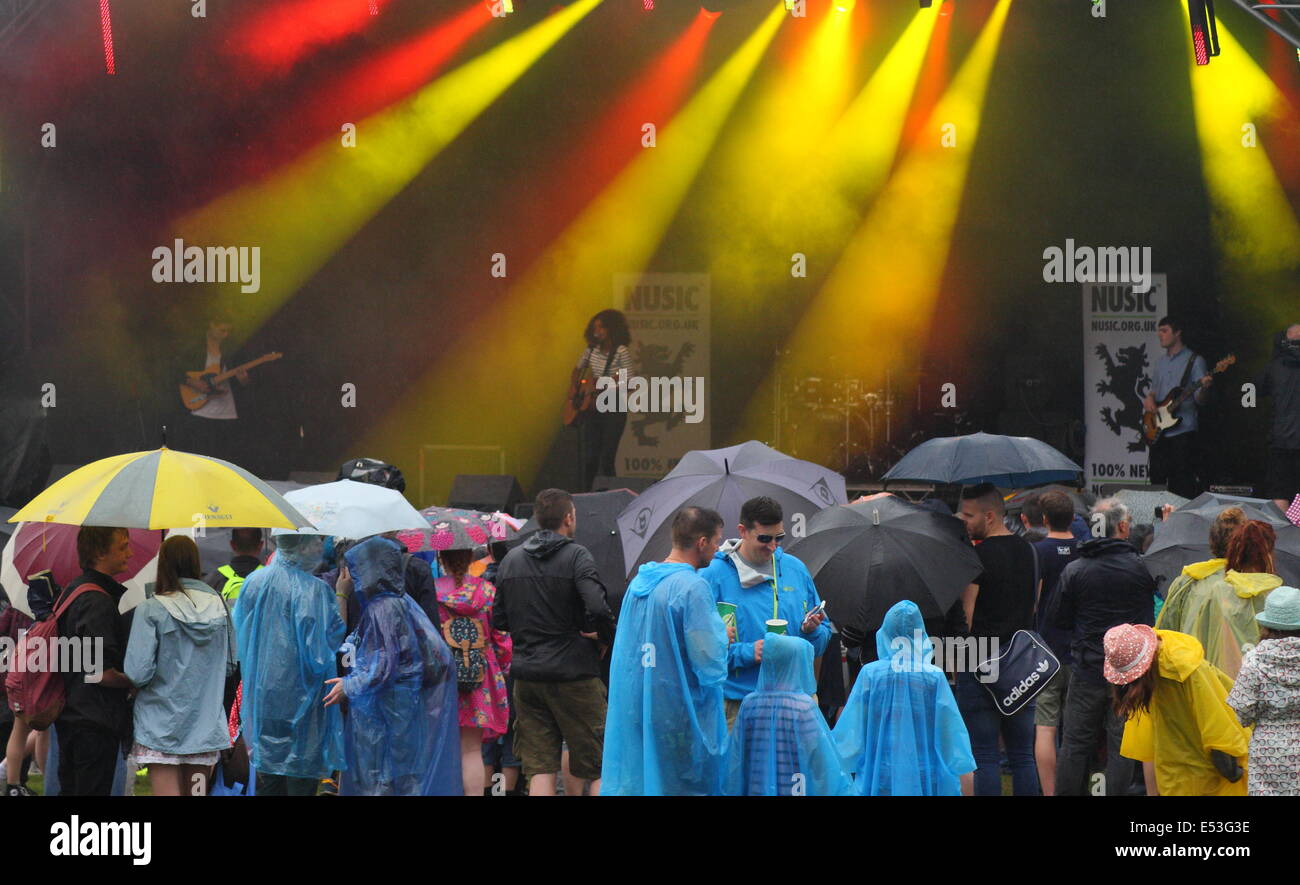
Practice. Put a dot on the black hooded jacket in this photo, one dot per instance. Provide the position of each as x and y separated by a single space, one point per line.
1281 381
1106 586
548 594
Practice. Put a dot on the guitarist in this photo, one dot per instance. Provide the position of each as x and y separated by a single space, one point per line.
213 428
1174 456
607 352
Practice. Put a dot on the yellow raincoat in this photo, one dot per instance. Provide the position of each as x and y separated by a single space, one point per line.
1188 719
1218 607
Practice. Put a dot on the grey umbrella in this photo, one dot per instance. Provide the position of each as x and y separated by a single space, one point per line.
1185 537
723 480
866 556
1006 461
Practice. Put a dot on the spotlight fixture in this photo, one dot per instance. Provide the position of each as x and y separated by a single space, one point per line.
1205 35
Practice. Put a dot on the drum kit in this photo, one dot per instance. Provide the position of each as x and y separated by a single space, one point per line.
839 422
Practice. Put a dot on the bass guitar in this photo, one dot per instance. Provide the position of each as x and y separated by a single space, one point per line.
1164 417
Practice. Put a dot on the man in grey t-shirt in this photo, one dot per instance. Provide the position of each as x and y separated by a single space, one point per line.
1174 455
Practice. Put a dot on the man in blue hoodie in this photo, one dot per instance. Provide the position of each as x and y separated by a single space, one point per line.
752 573
666 734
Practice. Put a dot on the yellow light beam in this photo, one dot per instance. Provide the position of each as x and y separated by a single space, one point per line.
303 213
794 180
1254 225
884 286
534 331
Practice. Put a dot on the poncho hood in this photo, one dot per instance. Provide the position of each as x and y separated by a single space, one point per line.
200 613
1199 571
650 574
376 568
1250 584
303 552
1179 655
787 665
902 638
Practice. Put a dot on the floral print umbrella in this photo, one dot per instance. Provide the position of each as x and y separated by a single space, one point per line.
451 528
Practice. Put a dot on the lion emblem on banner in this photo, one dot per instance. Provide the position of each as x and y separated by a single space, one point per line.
654 361
1127 381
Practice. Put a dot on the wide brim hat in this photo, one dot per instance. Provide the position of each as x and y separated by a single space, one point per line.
1130 649
1281 609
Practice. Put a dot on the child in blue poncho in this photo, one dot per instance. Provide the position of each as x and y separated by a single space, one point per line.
401 736
780 745
901 733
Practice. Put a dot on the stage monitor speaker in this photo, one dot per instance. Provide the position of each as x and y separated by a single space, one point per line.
487 492
523 511
637 484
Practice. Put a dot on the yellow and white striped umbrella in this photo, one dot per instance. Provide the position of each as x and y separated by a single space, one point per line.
162 489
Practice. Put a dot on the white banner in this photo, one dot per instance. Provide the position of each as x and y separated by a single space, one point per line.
1120 350
668 395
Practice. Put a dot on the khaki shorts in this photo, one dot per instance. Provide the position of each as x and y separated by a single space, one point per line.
733 710
1048 702
551 714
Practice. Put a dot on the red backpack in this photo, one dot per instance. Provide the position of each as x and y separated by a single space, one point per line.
37 696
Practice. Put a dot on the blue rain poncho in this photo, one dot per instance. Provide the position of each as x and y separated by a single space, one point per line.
287 629
901 733
666 732
780 745
401 732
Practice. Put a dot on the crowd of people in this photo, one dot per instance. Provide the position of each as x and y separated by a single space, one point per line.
353 666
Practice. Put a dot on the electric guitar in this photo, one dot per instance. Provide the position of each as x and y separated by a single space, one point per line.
1164 417
194 398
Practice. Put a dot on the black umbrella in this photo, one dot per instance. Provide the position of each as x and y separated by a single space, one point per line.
869 555
1006 461
1185 537
597 530
723 480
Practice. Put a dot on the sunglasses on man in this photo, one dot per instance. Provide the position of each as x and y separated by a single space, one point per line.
768 539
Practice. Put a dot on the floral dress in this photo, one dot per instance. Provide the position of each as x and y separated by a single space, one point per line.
487 705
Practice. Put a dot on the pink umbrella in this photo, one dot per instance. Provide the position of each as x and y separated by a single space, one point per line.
37 546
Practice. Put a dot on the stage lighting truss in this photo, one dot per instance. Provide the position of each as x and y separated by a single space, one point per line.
1288 30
